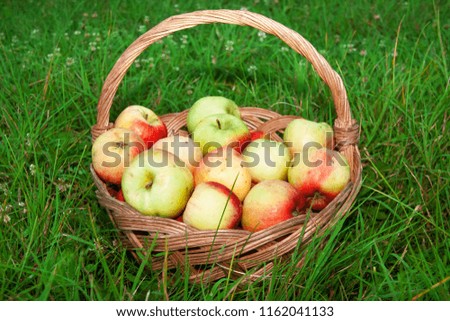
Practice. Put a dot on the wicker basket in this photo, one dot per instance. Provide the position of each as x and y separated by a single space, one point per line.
210 255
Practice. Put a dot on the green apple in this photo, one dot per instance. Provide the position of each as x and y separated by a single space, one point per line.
155 184
212 206
220 130
301 134
266 159
210 105
225 166
268 203
319 175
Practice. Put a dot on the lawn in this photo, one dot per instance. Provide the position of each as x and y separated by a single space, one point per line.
57 243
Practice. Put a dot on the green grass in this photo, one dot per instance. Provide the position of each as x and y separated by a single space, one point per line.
57 243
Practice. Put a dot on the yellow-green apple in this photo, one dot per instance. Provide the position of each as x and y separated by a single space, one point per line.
144 122
225 166
112 152
301 134
266 159
212 206
155 185
183 147
319 175
219 130
207 106
268 203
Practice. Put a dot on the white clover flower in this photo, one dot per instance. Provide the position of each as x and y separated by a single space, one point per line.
142 28
93 46
229 45
32 169
262 35
252 68
34 33
350 47
77 32
70 61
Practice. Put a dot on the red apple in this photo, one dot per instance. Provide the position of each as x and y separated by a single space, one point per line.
258 134
225 166
119 196
113 151
212 206
319 175
268 203
144 122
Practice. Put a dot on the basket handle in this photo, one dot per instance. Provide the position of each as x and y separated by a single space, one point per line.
346 128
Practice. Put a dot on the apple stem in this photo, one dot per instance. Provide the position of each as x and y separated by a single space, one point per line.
120 144
218 123
148 185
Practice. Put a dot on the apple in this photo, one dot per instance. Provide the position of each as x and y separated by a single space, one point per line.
144 122
220 130
267 159
212 206
319 175
225 166
254 135
208 106
183 147
112 152
119 196
301 134
155 185
258 134
268 203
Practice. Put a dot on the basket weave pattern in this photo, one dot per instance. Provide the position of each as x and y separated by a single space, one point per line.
210 255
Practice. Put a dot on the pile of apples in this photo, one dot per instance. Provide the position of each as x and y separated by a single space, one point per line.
220 174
